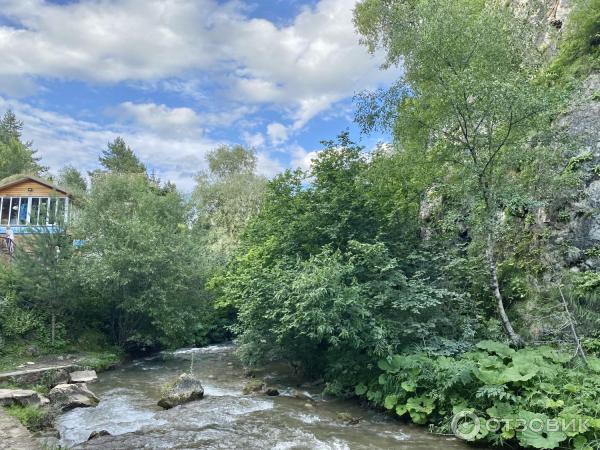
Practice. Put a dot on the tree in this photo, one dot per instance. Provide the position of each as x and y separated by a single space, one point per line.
10 126
319 280
46 274
119 158
140 271
16 157
72 178
229 194
469 100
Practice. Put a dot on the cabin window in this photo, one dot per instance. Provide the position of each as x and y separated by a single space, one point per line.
14 210
4 210
43 214
23 207
33 211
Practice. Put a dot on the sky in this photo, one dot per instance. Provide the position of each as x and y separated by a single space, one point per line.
177 78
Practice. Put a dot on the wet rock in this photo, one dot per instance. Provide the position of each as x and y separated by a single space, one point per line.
69 396
271 392
310 384
186 389
32 351
22 397
83 376
348 418
254 386
97 434
300 395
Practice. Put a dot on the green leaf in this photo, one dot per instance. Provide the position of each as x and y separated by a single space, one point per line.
360 389
390 401
498 348
401 410
594 364
538 432
409 386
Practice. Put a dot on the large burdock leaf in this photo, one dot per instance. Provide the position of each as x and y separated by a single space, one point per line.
519 373
594 364
391 364
538 431
489 377
498 348
390 401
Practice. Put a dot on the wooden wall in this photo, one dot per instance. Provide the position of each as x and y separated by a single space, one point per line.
21 190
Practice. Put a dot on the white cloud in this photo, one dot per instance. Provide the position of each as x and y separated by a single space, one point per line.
225 66
304 67
301 158
161 118
277 132
64 140
255 140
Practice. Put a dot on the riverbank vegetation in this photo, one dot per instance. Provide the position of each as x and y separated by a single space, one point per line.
427 276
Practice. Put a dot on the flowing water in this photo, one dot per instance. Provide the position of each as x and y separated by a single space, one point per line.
226 419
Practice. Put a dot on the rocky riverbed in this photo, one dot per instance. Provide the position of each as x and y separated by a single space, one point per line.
128 416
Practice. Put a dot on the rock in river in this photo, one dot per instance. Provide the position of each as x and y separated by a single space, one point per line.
69 396
97 434
187 388
84 376
254 386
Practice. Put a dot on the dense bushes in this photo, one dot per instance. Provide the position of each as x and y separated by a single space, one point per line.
495 382
330 274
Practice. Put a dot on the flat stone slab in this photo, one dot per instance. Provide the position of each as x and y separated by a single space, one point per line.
22 397
83 376
30 376
14 436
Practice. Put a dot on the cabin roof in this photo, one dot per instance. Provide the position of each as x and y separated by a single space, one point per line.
20 178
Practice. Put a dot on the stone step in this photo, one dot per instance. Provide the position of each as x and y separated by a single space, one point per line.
32 376
22 397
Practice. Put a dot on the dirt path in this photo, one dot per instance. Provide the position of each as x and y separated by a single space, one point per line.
13 435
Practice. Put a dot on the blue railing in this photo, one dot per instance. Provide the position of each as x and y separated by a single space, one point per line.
29 229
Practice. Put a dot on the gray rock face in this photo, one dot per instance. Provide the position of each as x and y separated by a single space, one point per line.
187 388
22 397
83 376
69 396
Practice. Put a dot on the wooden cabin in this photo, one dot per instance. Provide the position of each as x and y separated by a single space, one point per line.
30 205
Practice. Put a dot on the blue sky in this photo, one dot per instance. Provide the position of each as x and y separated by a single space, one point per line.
176 78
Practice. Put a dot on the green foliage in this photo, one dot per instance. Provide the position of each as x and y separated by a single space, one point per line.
16 157
139 274
579 49
322 280
32 417
119 158
495 382
101 361
73 180
226 197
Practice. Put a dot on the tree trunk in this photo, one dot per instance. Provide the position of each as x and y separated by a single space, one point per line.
578 348
516 340
53 330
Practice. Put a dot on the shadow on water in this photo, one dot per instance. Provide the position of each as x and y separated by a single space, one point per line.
226 419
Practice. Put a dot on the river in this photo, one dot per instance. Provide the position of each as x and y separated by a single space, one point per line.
226 419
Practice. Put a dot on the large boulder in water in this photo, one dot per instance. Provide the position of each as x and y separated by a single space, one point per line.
187 388
69 396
